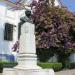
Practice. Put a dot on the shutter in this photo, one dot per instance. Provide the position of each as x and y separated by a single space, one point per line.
8 32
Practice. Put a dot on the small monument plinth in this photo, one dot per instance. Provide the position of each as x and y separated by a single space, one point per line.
27 58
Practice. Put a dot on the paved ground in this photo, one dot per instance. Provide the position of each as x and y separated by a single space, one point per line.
65 72
0 74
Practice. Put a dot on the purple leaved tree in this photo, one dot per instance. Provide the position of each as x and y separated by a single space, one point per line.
52 25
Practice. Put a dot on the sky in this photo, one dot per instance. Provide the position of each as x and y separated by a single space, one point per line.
68 3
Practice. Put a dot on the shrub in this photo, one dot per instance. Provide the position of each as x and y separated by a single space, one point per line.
43 54
1 67
72 65
7 65
55 66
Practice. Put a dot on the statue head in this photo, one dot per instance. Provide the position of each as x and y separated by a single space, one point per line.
28 13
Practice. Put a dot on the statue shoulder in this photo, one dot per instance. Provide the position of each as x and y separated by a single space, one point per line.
26 19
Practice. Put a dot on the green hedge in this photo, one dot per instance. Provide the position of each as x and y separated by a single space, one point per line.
55 66
1 67
7 65
71 65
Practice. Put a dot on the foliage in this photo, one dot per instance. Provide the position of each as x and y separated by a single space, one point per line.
55 66
63 55
16 46
44 54
72 33
1 67
71 65
52 26
55 27
7 65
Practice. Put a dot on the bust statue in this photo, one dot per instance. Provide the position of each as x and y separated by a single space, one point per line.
27 18
28 22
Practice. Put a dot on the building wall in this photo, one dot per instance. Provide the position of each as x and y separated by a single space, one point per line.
11 17
3 44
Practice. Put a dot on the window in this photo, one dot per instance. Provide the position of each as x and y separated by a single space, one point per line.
8 32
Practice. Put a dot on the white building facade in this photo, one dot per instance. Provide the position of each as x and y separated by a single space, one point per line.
11 18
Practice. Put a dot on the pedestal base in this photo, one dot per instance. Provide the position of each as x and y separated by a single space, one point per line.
10 71
27 61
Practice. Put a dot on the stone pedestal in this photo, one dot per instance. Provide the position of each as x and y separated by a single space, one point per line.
27 58
10 71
